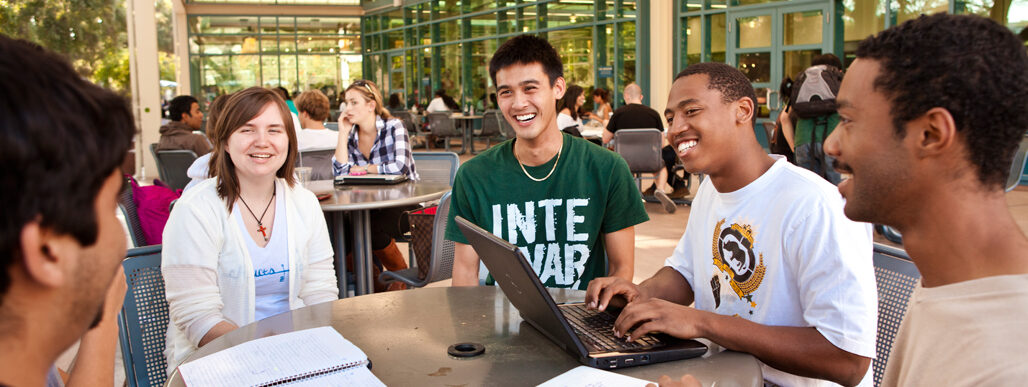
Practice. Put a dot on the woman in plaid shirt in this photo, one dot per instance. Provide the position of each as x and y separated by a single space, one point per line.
372 141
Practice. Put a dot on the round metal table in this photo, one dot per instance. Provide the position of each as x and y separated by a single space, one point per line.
359 200
406 335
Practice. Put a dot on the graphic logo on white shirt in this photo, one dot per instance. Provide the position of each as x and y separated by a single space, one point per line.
734 257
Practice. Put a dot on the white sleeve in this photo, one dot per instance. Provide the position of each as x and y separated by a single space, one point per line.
319 278
832 257
437 105
193 238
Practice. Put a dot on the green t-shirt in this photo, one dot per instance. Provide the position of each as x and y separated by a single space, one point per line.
805 128
558 223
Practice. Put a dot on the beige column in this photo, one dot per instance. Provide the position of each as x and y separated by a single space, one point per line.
181 38
661 54
145 74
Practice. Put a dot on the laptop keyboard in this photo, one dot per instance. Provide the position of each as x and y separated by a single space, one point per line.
596 329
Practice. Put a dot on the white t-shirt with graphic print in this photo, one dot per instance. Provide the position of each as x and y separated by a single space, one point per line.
780 252
271 262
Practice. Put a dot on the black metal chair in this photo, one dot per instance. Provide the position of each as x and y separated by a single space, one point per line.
896 277
441 260
172 166
320 162
1017 167
127 205
143 321
436 166
491 128
442 126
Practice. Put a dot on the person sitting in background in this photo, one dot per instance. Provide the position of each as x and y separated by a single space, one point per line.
61 244
199 170
602 110
372 141
186 117
313 107
247 243
442 103
568 119
394 103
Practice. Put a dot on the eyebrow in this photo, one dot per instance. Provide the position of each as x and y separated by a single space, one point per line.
681 105
523 83
841 103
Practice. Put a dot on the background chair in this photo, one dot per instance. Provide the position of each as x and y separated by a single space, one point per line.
172 166
490 128
128 208
440 257
436 166
442 126
896 277
641 149
320 162
1017 167
143 321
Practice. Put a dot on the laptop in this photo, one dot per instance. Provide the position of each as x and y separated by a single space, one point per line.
370 179
585 334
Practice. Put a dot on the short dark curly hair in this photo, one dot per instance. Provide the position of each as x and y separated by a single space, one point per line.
969 65
726 79
527 49
61 138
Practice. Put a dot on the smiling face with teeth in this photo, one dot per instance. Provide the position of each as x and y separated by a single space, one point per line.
259 147
528 101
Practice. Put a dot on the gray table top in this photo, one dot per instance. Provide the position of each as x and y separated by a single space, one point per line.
366 197
406 335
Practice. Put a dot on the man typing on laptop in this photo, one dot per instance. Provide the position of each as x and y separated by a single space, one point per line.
774 267
563 200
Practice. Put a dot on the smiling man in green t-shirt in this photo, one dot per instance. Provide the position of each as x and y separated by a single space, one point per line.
564 201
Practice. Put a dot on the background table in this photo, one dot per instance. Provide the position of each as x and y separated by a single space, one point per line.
359 200
467 124
406 334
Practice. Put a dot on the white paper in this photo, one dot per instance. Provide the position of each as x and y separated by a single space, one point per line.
583 376
279 357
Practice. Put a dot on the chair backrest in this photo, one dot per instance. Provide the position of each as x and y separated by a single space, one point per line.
440 124
442 249
1017 167
408 120
896 276
143 321
640 148
172 166
436 166
320 162
128 209
490 123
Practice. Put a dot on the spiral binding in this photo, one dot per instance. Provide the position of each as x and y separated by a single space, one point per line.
313 374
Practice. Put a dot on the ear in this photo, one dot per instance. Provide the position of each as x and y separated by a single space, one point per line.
559 87
935 132
744 111
42 253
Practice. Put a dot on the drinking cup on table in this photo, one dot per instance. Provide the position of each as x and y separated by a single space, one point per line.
303 175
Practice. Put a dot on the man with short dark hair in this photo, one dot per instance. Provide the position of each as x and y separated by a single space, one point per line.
186 117
774 267
932 113
62 141
635 115
564 201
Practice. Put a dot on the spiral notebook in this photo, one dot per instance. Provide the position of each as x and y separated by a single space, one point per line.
311 357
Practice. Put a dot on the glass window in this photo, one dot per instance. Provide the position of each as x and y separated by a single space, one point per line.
692 5
906 10
222 25
575 47
508 22
756 66
394 19
568 13
860 18
718 37
319 71
693 38
626 75
529 18
450 72
394 39
1011 13
483 25
754 31
449 31
481 85
803 28
797 61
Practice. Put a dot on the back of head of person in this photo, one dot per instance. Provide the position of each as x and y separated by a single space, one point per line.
529 79
633 93
828 59
235 135
282 92
186 109
313 107
62 140
394 102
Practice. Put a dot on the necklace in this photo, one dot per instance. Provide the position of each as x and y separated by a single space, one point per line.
260 221
551 169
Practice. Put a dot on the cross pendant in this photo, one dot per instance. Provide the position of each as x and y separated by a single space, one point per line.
261 228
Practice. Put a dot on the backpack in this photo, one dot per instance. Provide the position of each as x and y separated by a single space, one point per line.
813 93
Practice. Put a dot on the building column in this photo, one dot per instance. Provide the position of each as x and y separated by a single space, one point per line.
144 71
661 54
180 31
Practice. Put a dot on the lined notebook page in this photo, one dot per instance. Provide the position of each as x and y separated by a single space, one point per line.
583 376
309 357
